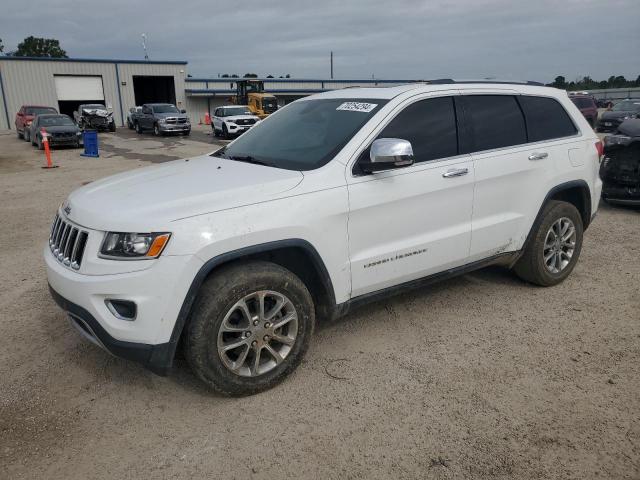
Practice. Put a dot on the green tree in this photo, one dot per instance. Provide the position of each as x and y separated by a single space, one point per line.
40 47
250 75
1 46
559 82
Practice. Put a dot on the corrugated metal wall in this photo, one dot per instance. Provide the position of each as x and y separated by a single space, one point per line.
32 82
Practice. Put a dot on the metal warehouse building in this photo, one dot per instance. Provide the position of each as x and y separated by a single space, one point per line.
65 83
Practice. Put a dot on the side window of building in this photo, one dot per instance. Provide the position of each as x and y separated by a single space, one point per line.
546 118
430 126
496 121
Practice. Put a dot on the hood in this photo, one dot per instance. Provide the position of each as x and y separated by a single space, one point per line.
169 115
613 115
96 111
233 118
150 198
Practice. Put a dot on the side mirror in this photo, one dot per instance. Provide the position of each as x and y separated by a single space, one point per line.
387 154
183 111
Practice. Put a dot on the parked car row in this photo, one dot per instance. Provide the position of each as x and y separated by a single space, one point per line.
31 120
161 118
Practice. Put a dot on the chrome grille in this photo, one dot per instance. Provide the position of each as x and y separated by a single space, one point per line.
67 243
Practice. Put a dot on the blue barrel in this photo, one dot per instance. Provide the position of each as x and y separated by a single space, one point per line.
90 141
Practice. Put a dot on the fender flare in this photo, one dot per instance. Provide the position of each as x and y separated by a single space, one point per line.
216 261
586 192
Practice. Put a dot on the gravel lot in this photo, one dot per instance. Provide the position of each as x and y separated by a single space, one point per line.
477 377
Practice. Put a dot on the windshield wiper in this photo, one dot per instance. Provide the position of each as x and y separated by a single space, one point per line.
249 159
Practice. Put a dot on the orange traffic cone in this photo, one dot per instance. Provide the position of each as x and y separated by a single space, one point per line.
47 152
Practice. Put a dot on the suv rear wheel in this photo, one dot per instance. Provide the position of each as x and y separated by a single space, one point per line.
554 249
250 327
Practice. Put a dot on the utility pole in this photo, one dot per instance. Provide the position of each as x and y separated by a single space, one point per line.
331 64
144 46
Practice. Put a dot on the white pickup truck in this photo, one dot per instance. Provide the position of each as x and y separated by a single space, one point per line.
335 200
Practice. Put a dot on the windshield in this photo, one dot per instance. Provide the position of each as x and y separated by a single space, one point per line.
304 135
39 110
55 120
94 106
627 106
165 109
229 112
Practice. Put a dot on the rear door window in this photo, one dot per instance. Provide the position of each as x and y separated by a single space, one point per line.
430 126
546 118
496 121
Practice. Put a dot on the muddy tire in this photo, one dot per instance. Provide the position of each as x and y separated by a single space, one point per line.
250 326
554 248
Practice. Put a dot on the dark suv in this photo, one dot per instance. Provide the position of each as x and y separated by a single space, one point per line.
621 111
587 107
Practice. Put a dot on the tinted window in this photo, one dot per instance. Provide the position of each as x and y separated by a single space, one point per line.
496 121
546 119
430 126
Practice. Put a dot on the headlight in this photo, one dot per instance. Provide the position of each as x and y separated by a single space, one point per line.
133 246
162 120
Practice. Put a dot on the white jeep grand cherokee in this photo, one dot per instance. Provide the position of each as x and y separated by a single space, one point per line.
333 201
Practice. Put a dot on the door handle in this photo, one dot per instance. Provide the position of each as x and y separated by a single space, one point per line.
538 156
457 172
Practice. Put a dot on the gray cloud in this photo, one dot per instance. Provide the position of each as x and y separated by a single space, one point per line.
389 39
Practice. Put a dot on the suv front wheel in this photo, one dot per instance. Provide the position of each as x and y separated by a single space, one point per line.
555 246
250 327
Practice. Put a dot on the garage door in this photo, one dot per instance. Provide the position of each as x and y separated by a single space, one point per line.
70 87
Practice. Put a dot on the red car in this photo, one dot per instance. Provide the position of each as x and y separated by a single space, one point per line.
25 116
587 107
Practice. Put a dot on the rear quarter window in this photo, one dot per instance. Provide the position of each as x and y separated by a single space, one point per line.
546 118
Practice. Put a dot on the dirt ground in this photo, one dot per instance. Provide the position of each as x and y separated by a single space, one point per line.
479 377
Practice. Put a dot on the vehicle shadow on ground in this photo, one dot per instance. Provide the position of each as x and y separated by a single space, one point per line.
104 368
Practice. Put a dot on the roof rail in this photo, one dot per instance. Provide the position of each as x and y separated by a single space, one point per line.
449 81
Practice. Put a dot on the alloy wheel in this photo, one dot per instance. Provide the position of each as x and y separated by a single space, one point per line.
559 245
257 333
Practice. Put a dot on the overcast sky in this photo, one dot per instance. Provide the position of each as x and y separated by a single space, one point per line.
391 39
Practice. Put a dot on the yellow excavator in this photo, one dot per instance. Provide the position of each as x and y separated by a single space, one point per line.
251 93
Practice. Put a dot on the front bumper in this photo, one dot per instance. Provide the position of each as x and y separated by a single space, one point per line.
157 358
158 292
621 194
234 129
179 127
